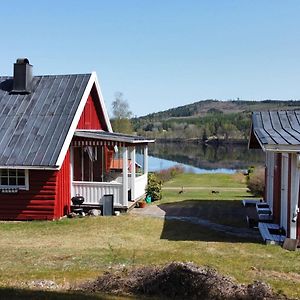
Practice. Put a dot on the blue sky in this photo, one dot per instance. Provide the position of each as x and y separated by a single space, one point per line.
161 54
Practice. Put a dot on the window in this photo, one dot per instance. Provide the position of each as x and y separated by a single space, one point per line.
13 178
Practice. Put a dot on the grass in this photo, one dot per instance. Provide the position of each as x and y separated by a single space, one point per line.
71 251
207 180
197 199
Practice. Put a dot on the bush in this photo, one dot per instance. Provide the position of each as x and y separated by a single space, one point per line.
256 181
168 174
153 188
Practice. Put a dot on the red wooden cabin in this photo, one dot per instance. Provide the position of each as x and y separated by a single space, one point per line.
56 141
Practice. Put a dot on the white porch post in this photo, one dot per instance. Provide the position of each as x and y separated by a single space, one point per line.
132 179
71 169
146 159
125 176
270 178
294 196
284 190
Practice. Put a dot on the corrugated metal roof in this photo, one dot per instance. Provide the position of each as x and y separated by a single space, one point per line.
112 136
33 127
277 129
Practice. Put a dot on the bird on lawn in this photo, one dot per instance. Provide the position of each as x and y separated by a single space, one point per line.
215 192
181 191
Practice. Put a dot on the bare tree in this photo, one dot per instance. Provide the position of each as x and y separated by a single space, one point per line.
121 114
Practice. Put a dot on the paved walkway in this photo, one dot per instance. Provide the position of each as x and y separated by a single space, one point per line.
155 211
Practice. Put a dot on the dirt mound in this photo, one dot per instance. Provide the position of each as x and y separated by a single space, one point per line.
179 281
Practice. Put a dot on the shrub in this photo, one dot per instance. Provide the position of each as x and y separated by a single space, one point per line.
168 174
256 181
153 188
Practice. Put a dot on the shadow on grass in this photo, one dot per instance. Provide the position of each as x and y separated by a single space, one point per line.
16 294
228 215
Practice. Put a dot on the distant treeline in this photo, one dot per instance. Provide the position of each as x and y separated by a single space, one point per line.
207 120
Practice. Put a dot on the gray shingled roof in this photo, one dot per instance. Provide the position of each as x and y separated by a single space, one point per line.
277 130
112 136
33 127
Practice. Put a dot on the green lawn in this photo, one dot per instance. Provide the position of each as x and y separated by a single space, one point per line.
207 180
71 251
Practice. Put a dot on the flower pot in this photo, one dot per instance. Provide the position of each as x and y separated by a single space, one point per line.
142 204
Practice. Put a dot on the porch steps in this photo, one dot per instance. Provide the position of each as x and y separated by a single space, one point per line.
271 233
250 202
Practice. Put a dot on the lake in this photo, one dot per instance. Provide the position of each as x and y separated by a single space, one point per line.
199 158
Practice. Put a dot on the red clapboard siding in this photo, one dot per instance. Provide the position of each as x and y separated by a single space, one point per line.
63 190
92 115
36 204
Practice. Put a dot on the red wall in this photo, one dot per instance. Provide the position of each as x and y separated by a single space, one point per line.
63 189
48 197
36 204
92 115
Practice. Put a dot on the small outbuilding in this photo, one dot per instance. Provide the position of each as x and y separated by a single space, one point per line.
277 133
56 141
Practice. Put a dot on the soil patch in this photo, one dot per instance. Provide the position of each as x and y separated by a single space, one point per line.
178 281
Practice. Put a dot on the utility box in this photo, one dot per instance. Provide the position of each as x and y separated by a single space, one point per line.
108 205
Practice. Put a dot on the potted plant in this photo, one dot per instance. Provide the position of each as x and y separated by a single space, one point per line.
142 203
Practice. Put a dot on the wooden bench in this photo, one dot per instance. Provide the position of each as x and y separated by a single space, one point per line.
269 233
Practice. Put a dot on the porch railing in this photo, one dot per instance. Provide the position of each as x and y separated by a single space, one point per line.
140 185
93 192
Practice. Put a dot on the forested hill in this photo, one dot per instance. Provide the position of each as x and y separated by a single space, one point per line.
207 120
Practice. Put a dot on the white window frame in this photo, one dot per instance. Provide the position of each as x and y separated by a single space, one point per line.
20 187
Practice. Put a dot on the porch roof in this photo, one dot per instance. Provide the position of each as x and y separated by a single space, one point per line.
112 137
277 131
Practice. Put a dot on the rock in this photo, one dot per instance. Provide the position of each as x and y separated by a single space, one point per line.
94 212
42 284
72 215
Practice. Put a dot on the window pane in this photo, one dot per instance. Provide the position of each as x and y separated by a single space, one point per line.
12 173
21 173
12 180
21 181
4 172
4 181
12 177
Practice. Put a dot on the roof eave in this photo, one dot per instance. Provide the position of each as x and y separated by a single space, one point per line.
52 168
254 140
282 148
93 135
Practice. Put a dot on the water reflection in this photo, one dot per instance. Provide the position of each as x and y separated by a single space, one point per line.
230 157
157 164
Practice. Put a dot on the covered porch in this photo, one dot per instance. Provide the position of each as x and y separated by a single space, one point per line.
105 163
